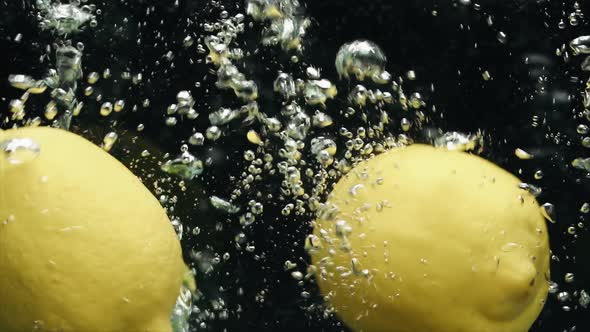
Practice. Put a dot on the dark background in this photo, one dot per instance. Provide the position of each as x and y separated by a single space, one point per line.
449 50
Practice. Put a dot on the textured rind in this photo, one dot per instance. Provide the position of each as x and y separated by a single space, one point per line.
84 246
456 246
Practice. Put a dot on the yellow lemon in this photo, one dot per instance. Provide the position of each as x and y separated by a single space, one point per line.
84 246
420 239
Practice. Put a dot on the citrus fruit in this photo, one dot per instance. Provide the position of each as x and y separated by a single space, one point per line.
420 239
84 246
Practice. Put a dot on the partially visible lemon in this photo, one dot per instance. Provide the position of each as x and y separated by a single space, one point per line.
84 246
420 239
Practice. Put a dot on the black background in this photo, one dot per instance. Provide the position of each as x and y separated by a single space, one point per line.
442 51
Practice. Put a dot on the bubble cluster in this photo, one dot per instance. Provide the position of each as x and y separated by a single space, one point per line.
186 166
229 77
64 18
287 25
460 142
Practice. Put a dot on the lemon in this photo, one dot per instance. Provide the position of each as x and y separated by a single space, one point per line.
420 239
84 246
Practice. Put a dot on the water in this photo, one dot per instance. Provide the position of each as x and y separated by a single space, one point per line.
270 105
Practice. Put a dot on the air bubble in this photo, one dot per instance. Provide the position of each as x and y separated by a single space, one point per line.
186 166
548 211
106 109
361 59
521 154
109 140
20 150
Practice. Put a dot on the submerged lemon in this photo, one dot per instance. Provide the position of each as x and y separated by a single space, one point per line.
84 246
420 239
